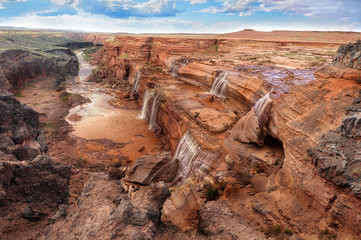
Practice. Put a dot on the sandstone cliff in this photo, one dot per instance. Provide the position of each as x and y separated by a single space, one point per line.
285 111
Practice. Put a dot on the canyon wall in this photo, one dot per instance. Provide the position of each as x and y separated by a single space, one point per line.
300 114
32 186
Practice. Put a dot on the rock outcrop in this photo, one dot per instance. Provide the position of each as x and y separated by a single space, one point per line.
18 129
20 66
104 211
346 63
218 221
337 156
349 55
25 171
153 168
40 180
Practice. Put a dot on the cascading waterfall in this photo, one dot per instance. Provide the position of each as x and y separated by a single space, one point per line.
146 99
176 64
262 104
136 84
150 107
192 159
154 110
220 84
173 68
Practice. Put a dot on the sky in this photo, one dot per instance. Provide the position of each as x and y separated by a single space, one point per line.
182 16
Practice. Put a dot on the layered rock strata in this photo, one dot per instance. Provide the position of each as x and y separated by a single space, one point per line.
295 122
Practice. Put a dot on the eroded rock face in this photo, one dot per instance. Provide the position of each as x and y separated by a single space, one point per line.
20 66
346 63
40 179
104 211
252 128
337 156
17 121
349 55
218 221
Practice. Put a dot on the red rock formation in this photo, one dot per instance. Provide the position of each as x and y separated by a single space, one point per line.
298 119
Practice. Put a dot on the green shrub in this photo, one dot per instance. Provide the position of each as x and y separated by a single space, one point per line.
288 231
211 193
272 230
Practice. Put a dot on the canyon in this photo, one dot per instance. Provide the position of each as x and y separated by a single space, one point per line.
185 137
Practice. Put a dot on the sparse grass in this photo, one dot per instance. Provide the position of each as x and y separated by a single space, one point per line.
356 172
156 69
288 231
326 235
243 178
272 230
65 98
212 50
271 189
124 56
49 125
61 87
18 94
79 162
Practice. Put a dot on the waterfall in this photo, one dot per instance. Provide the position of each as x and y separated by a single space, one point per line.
176 64
262 104
136 84
154 110
173 68
146 99
150 107
192 159
220 84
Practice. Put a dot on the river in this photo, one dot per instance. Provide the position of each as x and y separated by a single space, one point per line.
100 120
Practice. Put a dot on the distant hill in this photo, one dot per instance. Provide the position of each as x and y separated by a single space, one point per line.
304 36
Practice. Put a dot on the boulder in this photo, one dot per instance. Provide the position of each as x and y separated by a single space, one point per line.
152 168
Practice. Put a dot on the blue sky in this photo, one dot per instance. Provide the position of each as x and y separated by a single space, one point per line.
182 16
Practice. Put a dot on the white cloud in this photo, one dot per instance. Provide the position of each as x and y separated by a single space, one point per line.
243 7
308 8
73 3
99 23
154 6
197 1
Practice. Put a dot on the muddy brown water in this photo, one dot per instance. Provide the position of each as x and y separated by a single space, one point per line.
98 119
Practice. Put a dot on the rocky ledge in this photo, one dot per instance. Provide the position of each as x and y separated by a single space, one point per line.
346 63
337 156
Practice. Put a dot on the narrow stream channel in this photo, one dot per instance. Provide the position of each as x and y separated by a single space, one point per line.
100 120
